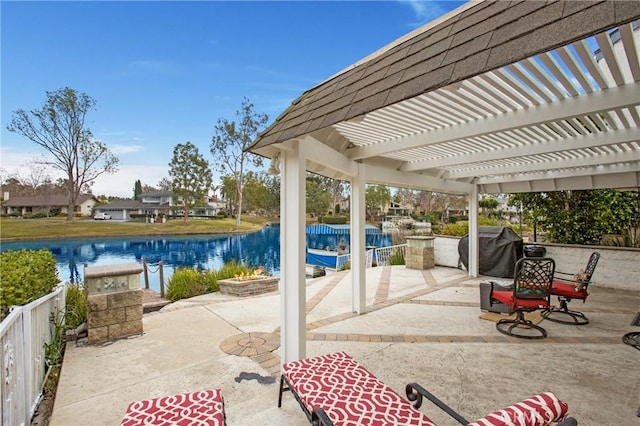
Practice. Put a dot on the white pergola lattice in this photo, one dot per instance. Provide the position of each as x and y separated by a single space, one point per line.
568 118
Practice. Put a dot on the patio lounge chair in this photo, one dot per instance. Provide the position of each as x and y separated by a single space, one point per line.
572 286
333 389
203 407
532 280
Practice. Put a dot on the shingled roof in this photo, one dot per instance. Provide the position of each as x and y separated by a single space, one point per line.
470 41
43 200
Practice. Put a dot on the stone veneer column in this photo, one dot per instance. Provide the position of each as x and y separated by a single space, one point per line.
420 253
114 301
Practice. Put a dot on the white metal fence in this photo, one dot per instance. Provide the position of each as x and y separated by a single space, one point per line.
379 256
23 334
383 254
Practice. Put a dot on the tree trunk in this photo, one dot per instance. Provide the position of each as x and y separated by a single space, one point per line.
186 214
239 208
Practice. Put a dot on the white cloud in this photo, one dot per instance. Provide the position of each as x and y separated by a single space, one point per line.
122 182
424 11
125 149
119 184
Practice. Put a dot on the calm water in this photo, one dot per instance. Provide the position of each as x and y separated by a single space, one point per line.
260 248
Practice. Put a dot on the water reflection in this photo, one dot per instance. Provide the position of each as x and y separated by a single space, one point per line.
261 248
204 252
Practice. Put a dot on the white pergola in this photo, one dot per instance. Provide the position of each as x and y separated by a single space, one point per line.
564 114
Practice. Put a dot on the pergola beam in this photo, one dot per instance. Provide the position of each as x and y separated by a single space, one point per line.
592 103
535 148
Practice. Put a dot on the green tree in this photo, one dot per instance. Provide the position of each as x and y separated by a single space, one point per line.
229 147
59 128
318 197
137 190
376 198
191 177
228 191
255 192
273 194
582 217
487 205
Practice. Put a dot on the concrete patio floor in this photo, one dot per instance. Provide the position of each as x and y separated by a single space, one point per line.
421 326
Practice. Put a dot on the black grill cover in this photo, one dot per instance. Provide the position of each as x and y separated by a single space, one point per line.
500 249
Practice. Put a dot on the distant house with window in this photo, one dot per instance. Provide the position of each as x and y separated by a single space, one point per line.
48 204
155 204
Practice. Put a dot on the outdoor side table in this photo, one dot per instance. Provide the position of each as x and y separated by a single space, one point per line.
485 294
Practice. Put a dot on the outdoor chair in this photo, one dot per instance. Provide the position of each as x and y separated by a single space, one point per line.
572 286
334 389
532 280
202 407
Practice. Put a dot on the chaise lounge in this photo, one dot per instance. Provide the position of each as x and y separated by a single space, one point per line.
334 389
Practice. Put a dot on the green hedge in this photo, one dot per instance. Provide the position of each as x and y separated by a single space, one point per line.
333 220
25 275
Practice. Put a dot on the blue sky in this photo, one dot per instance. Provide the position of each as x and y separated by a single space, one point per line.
162 72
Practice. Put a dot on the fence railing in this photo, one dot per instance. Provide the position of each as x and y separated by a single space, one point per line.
383 254
379 256
23 334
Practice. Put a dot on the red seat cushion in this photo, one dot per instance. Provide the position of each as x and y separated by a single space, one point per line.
349 393
506 297
539 410
204 408
568 290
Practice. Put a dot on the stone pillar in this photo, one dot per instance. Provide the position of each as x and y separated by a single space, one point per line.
114 301
419 253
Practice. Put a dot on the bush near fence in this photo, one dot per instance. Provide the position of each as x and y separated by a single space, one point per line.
25 276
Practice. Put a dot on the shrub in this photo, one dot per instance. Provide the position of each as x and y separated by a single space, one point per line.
210 279
397 258
232 269
185 283
189 282
76 306
25 276
461 228
334 220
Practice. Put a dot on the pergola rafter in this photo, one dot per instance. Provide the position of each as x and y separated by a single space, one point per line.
495 97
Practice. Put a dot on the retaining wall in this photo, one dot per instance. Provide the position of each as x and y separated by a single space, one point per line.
618 268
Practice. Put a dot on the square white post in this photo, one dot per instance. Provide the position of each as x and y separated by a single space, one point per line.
292 254
358 241
474 245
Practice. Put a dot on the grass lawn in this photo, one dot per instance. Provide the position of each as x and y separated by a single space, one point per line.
12 229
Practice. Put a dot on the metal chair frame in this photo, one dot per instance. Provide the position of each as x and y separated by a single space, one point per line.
572 317
531 291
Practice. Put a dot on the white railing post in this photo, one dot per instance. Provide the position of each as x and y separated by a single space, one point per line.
23 334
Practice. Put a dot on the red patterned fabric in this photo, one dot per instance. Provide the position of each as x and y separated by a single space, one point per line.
539 410
506 297
568 290
196 408
349 393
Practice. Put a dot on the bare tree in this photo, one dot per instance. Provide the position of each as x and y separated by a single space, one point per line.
59 128
229 145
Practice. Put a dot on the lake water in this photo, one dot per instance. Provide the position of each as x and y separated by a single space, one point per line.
205 252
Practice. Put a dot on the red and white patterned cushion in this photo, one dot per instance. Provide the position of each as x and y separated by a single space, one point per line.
196 408
539 410
349 393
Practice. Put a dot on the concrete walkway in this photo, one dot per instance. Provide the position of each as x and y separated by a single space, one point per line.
420 326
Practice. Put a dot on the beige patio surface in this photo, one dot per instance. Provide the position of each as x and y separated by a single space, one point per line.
420 326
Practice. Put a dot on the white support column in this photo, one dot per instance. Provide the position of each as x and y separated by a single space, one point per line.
474 246
358 241
292 254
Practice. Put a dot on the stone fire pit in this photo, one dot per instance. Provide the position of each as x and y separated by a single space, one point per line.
248 285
